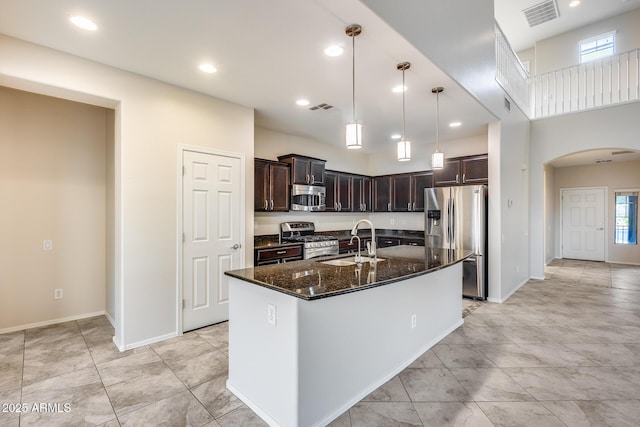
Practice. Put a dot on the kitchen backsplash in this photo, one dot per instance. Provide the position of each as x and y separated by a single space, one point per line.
269 223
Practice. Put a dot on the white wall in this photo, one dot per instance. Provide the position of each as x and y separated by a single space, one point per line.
384 162
508 205
549 213
52 187
613 176
561 51
614 127
152 118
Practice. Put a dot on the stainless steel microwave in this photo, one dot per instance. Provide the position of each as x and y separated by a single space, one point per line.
308 198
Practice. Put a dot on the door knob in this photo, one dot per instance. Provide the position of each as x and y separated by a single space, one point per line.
236 246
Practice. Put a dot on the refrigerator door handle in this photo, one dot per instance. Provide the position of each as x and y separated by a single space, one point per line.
453 220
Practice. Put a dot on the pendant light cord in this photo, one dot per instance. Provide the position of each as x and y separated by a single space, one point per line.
403 119
438 121
353 73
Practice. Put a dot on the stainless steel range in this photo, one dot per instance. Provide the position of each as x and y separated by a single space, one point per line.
314 245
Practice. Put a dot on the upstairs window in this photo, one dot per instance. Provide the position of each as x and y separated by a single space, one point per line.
626 229
597 47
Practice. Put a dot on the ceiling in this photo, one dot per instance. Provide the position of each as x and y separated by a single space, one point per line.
512 20
270 53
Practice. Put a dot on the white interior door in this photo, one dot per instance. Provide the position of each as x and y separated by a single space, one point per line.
211 235
583 223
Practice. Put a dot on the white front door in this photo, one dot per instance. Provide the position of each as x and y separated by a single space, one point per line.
583 223
211 235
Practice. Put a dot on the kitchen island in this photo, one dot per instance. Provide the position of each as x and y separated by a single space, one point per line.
309 339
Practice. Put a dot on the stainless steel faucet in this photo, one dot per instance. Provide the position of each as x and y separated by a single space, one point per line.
358 257
371 246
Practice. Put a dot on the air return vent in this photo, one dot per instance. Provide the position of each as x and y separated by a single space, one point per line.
541 13
322 106
507 104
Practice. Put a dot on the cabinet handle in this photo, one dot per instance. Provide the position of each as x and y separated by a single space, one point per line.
266 205
339 206
457 182
414 206
281 252
271 204
307 178
389 206
409 206
313 179
464 178
364 207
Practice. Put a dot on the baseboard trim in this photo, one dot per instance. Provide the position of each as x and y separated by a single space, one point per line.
123 347
110 319
513 291
51 322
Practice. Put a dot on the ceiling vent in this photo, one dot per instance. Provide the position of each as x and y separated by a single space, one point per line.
322 106
541 13
603 161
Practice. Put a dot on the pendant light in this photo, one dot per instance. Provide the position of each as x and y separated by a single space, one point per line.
354 129
404 146
437 158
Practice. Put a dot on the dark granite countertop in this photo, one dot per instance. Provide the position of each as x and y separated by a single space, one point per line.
311 279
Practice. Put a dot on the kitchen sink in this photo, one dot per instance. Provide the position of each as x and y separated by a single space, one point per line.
349 261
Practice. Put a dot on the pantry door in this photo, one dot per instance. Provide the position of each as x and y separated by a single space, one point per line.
583 223
211 235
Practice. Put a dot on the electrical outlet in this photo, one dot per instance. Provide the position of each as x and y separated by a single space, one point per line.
47 245
413 321
272 314
392 221
58 294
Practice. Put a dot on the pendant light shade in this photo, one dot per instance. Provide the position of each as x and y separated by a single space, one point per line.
404 146
437 158
353 134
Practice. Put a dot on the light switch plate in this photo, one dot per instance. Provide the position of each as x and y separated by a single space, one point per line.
272 314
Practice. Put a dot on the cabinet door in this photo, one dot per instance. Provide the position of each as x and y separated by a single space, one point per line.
382 194
418 183
412 241
475 170
330 183
401 193
385 242
356 193
300 171
279 188
366 195
449 175
344 186
316 172
261 186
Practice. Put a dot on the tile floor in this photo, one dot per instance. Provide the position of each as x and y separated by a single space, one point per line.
560 352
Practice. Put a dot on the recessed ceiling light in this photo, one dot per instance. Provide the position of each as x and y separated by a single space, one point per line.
302 102
455 124
396 136
574 3
334 50
84 23
399 89
207 68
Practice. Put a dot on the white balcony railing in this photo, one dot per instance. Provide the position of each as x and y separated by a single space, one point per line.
595 84
599 83
510 73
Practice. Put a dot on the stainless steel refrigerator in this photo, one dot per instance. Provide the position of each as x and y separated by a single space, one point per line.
456 218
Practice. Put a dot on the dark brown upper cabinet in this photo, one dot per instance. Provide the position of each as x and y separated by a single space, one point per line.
463 171
339 191
382 193
361 193
305 170
407 191
271 186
